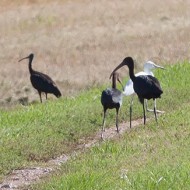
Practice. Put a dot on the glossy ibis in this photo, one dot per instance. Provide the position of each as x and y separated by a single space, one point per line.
111 98
41 82
129 91
145 86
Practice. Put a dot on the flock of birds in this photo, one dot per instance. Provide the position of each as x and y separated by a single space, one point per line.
144 84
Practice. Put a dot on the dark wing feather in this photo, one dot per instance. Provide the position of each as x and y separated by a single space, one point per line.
46 77
44 83
147 87
110 97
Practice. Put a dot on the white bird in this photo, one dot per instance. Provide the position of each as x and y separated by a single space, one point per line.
128 89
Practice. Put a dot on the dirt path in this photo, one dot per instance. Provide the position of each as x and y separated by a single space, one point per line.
27 176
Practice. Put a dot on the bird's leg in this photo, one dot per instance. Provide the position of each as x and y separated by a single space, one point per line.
117 111
146 104
155 110
144 113
103 123
158 111
131 105
104 117
46 96
150 110
40 96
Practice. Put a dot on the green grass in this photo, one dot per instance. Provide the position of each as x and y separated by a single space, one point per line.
145 158
34 134
42 131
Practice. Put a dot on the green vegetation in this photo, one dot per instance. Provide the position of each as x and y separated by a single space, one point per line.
151 157
36 133
144 158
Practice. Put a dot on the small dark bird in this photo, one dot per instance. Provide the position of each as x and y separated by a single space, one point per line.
111 98
145 86
41 82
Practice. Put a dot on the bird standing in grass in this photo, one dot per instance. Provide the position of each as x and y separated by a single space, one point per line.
111 98
145 86
41 82
128 89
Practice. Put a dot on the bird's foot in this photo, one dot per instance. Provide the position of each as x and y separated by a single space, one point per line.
102 136
157 111
103 130
117 130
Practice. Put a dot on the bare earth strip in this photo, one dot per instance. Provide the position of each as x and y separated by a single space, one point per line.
27 176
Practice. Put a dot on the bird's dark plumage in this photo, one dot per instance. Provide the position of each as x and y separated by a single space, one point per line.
42 82
145 86
111 98
152 90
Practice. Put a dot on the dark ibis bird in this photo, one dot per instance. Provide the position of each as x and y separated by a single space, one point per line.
40 81
145 86
128 89
111 98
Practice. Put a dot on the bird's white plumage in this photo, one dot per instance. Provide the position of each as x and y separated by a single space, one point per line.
148 66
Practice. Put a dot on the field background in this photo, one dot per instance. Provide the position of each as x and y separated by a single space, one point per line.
79 42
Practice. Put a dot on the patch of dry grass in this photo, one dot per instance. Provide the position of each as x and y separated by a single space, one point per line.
78 43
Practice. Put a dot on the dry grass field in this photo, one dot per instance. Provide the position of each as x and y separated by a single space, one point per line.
79 42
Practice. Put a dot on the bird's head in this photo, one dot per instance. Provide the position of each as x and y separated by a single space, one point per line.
149 65
30 57
127 61
116 77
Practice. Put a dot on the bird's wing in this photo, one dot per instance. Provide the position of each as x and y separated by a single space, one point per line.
45 77
42 82
117 96
111 95
146 85
106 96
154 81
128 90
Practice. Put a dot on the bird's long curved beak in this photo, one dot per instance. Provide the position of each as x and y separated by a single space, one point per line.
23 58
158 66
119 66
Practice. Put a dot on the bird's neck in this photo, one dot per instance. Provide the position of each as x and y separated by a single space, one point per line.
113 82
30 66
131 72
